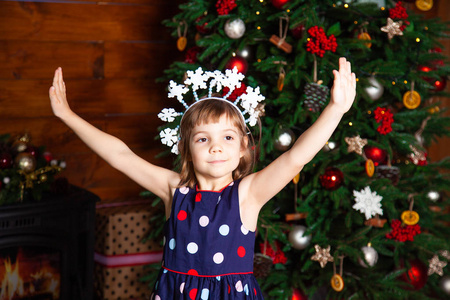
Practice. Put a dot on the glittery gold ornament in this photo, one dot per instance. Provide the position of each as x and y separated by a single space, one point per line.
355 144
367 37
411 100
26 162
322 255
392 28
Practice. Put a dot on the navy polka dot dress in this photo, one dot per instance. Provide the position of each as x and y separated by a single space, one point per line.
208 253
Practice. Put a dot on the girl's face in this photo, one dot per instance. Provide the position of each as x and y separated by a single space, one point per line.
216 150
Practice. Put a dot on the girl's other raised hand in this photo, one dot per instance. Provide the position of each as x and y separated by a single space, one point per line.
57 93
343 91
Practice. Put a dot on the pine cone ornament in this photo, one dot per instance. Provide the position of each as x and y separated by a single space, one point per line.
316 96
392 173
262 264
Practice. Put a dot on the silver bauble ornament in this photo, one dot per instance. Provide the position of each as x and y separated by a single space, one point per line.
375 90
444 284
284 140
234 29
433 196
245 52
371 256
298 239
330 145
26 162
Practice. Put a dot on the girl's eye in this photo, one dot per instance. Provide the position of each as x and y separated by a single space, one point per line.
202 140
228 137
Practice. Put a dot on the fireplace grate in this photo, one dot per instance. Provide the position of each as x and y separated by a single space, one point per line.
21 222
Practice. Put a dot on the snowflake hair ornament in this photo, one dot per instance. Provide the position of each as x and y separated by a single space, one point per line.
246 103
368 202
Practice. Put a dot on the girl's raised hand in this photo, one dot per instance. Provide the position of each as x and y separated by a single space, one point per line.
343 91
57 93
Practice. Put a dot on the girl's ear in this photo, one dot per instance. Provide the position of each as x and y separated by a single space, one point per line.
244 146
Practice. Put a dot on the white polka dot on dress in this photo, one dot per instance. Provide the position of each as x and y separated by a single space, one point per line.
172 244
184 190
224 230
244 230
246 291
205 294
239 287
218 258
203 221
192 248
182 287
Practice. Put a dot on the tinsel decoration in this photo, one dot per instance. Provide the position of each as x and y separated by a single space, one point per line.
315 96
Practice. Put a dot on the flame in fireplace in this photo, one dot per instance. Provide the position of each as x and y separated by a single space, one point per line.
12 284
26 282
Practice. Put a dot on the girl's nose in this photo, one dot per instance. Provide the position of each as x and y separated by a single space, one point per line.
216 147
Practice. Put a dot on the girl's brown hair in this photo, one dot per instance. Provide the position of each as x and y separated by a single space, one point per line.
206 111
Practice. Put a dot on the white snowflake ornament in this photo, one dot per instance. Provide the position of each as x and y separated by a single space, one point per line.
368 202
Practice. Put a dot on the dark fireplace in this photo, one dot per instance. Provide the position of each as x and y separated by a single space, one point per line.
47 248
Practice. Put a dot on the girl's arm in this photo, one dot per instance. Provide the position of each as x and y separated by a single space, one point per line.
158 180
260 187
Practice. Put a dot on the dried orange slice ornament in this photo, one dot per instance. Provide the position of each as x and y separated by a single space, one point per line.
424 5
370 167
296 178
411 100
181 43
365 36
337 283
410 217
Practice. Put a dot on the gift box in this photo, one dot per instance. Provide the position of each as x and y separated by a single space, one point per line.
121 256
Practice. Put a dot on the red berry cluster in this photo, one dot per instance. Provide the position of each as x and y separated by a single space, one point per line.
236 93
399 12
403 233
277 255
318 43
386 117
225 6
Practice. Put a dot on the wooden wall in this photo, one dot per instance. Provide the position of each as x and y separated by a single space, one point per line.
111 53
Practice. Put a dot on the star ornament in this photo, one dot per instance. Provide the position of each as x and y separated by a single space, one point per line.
355 144
436 266
392 28
322 255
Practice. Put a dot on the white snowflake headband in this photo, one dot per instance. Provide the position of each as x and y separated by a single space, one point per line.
199 79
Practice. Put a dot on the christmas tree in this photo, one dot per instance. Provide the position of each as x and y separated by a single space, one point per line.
366 217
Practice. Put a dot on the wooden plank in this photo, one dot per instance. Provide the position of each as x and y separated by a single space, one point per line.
94 98
137 60
38 59
84 21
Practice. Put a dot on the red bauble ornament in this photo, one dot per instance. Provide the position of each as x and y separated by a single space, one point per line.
47 156
298 295
416 274
332 179
279 3
298 32
439 85
239 62
377 155
6 160
201 25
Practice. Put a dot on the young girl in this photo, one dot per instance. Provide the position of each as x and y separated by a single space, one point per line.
212 206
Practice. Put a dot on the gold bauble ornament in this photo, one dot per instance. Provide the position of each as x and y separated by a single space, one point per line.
26 162
367 37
